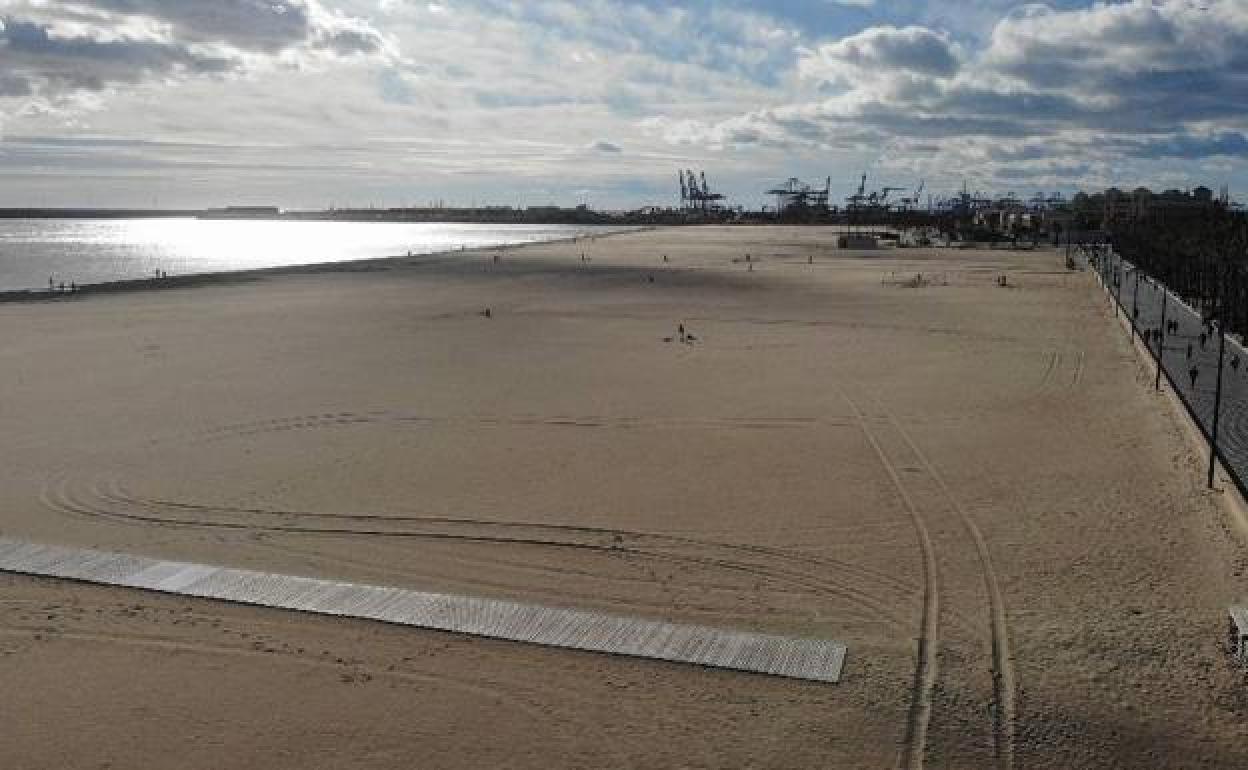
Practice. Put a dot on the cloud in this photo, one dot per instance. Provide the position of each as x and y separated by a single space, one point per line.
413 100
53 51
881 53
1128 81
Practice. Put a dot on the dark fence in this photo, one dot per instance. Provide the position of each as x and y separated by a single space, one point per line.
1207 369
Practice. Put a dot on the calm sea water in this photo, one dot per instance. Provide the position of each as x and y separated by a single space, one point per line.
93 251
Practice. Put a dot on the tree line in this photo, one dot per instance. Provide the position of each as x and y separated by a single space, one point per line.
1202 257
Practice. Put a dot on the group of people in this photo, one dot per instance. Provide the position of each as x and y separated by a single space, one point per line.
1172 328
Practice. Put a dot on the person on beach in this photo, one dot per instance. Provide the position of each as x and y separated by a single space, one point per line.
681 329
1193 373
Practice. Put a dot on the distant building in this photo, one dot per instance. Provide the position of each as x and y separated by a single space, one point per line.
1143 204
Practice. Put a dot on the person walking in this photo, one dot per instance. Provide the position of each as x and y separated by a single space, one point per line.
1193 373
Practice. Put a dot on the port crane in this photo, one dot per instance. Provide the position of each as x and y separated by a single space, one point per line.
859 198
913 200
695 193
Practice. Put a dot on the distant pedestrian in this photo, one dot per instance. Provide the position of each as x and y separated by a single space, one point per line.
1189 351
1193 373
1203 338
681 329
1235 363
51 284
664 257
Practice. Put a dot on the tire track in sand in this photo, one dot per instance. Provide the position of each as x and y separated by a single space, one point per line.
919 718
1004 682
798 570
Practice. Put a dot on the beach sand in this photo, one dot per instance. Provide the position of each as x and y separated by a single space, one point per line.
973 487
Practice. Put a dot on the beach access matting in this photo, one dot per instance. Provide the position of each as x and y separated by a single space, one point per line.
798 658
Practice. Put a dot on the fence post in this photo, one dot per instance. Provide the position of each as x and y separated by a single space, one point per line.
1161 341
1117 279
1217 405
1135 302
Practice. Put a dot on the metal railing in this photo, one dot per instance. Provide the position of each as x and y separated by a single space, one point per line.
1207 369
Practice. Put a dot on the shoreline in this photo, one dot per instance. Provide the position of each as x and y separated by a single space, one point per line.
225 277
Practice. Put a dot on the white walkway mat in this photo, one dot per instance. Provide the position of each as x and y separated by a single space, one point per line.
814 659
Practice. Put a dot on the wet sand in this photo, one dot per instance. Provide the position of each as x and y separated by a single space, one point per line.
836 454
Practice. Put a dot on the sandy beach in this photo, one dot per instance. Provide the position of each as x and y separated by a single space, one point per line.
974 487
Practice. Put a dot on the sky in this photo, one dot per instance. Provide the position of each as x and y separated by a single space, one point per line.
316 103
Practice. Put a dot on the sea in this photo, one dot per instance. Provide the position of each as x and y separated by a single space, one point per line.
87 251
